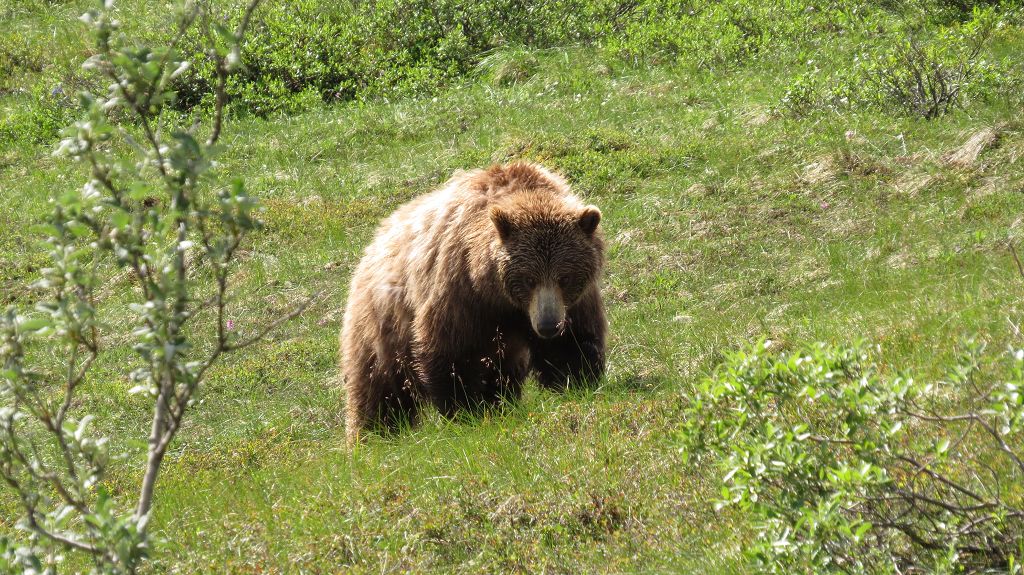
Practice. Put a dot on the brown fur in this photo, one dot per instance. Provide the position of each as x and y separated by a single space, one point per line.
446 304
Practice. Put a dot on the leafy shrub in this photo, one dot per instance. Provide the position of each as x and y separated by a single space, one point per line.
925 77
845 469
383 49
14 57
928 79
507 66
706 35
803 95
303 53
400 47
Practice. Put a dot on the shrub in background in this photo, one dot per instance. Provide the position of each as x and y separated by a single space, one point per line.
928 78
395 48
304 52
344 51
931 70
43 112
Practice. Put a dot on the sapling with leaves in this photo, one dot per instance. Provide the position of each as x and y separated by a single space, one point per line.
153 207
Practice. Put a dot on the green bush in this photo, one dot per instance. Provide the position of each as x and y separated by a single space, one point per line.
303 53
395 48
927 73
706 35
385 49
844 468
929 77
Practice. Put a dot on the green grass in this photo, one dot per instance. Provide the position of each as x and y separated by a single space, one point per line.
726 223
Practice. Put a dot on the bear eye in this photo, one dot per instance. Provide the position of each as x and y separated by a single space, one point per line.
524 284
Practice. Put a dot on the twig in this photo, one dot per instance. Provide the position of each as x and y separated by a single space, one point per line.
275 324
1002 443
923 467
968 527
1016 258
222 76
185 24
73 543
33 524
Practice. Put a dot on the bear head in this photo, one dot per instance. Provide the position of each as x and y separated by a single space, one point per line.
550 253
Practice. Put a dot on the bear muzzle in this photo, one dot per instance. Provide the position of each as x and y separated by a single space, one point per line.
547 311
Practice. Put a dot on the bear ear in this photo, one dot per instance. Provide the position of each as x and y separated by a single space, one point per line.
589 218
502 222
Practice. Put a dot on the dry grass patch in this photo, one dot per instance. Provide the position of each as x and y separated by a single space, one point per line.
967 154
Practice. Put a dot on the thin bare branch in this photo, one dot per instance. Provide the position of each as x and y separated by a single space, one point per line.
952 507
971 525
222 76
941 418
183 27
296 312
62 539
1016 259
924 468
1002 443
30 512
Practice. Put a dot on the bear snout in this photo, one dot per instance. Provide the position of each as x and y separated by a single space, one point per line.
547 311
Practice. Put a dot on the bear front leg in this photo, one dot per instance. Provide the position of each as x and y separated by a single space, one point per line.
477 378
469 383
465 358
452 382
577 355
507 363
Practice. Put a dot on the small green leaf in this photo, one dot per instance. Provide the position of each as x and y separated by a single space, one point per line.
35 324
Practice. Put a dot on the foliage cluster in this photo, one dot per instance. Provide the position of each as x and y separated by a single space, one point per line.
847 469
306 52
313 50
924 72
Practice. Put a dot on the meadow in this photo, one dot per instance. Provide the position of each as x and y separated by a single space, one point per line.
743 199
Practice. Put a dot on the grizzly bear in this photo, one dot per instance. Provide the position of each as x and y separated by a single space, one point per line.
466 290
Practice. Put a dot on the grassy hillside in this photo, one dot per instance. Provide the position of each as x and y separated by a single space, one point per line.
730 216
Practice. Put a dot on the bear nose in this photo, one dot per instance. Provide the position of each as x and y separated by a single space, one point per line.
547 311
548 330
